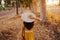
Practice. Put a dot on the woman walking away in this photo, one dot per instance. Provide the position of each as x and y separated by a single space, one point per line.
28 21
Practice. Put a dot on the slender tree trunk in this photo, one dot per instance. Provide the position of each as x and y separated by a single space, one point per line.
17 7
43 9
0 2
59 2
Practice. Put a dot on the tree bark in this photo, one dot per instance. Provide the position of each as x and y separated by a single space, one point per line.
43 9
59 2
17 7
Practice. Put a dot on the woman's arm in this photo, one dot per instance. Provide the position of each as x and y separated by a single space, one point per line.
38 19
35 18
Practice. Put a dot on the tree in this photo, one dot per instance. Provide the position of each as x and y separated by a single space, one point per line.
43 10
0 2
59 2
7 2
26 3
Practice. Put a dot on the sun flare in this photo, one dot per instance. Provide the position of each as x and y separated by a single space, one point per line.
52 2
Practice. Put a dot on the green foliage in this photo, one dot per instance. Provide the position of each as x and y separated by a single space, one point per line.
2 8
8 1
26 3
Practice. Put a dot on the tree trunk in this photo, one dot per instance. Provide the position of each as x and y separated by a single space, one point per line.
59 2
43 9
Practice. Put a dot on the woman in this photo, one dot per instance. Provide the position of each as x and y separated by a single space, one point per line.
28 21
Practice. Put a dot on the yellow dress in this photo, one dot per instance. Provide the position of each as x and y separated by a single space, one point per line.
29 34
